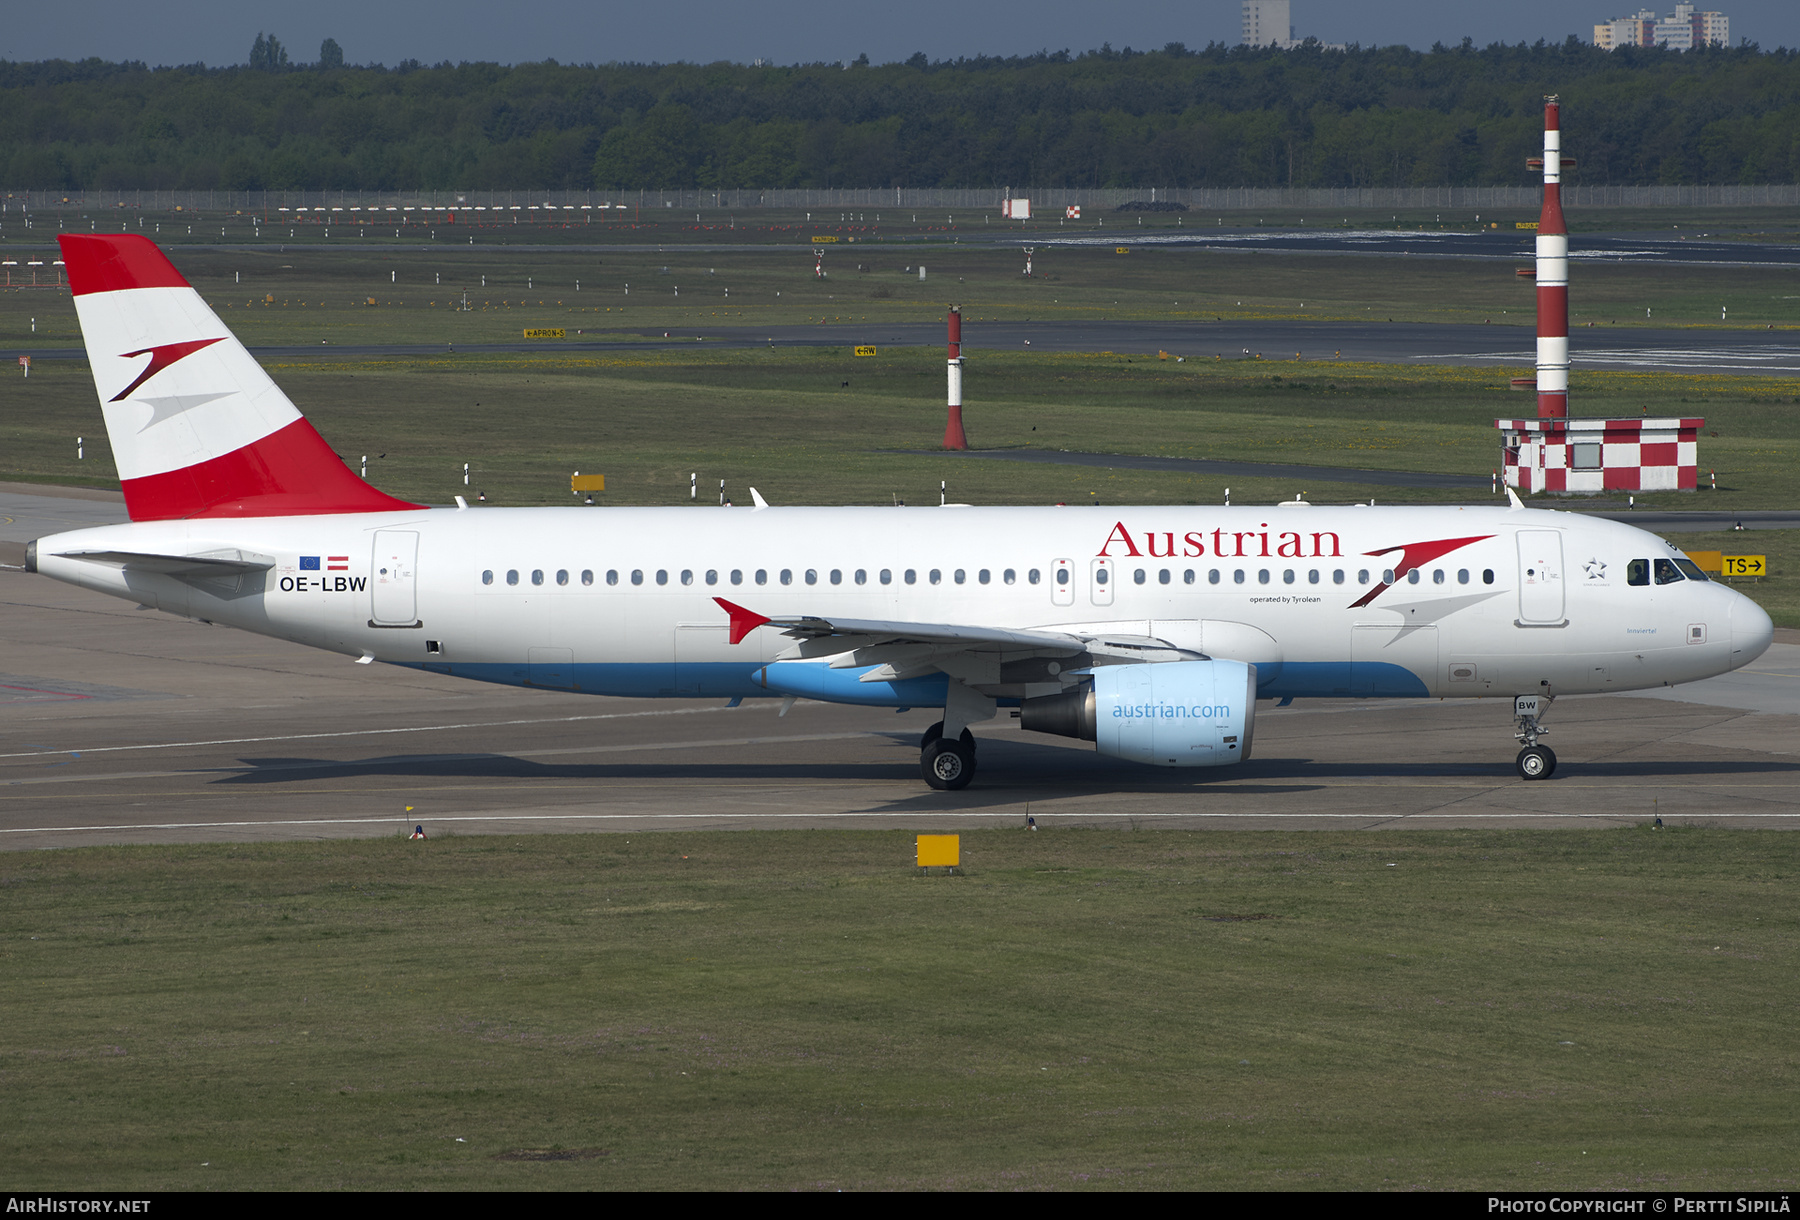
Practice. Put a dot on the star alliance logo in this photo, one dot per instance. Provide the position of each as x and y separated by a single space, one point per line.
1595 569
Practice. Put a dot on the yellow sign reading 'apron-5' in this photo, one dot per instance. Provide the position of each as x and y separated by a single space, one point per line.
546 333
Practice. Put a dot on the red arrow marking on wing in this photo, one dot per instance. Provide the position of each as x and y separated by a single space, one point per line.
162 357
1414 554
743 621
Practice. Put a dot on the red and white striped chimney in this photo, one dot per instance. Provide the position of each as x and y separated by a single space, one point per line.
1552 278
953 430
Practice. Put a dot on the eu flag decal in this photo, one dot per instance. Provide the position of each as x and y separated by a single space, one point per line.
309 563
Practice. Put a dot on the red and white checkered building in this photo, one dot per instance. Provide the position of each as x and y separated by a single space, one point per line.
1590 455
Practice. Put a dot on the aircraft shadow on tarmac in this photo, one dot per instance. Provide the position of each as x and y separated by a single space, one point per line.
1008 770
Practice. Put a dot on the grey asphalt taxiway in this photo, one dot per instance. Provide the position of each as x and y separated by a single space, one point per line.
1278 342
120 725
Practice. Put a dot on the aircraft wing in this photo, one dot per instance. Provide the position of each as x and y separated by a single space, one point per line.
887 631
905 648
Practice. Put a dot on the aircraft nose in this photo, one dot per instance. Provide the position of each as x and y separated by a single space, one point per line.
1752 631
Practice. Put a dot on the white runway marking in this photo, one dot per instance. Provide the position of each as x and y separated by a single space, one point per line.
1010 814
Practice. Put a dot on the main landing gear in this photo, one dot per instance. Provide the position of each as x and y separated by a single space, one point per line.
1534 761
947 765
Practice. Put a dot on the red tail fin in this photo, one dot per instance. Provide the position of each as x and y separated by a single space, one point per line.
197 427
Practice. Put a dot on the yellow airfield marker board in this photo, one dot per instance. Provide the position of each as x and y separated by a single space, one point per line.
939 851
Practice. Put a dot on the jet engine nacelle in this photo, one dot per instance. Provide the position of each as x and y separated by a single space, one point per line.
1178 714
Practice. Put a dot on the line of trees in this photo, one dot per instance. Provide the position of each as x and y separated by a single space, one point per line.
1219 117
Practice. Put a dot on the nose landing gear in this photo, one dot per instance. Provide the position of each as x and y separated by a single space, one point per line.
1534 761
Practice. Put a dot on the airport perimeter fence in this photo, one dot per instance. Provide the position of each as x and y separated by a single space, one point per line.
1044 201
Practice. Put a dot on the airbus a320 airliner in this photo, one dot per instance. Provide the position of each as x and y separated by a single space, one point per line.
1150 631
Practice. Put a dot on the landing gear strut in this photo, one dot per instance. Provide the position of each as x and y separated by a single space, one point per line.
1534 761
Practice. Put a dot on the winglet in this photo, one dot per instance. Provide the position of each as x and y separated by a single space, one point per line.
756 498
1513 498
743 621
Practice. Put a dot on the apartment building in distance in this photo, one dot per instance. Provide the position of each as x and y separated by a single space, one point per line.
1269 23
1682 30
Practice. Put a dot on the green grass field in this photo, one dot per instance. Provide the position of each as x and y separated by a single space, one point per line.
1080 1009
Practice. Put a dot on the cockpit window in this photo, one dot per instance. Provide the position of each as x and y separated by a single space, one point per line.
1666 572
1690 569
1637 572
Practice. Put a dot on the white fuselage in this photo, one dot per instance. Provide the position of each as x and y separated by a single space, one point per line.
619 601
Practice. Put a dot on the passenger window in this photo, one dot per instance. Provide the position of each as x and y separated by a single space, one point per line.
1162 576
887 576
712 576
737 576
637 576
1187 577
1437 576
1262 576
1287 576
1101 576
1637 572
1487 576
1009 576
1237 576
687 576
787 576
487 578
837 576
1412 577
812 576
512 576
1666 572
1212 576
959 576
587 576
1387 576
862 576
562 576
662 576
983 576
936 576
912 576
1312 576
1062 576
537 576
762 576
1337 576
1031 577
1138 576
612 576
1462 576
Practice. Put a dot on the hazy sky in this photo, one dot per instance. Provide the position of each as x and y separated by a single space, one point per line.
220 32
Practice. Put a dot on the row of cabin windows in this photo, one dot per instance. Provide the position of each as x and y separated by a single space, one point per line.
1292 576
1009 576
761 576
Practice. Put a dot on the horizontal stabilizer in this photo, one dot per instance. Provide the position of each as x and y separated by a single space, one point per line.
218 563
